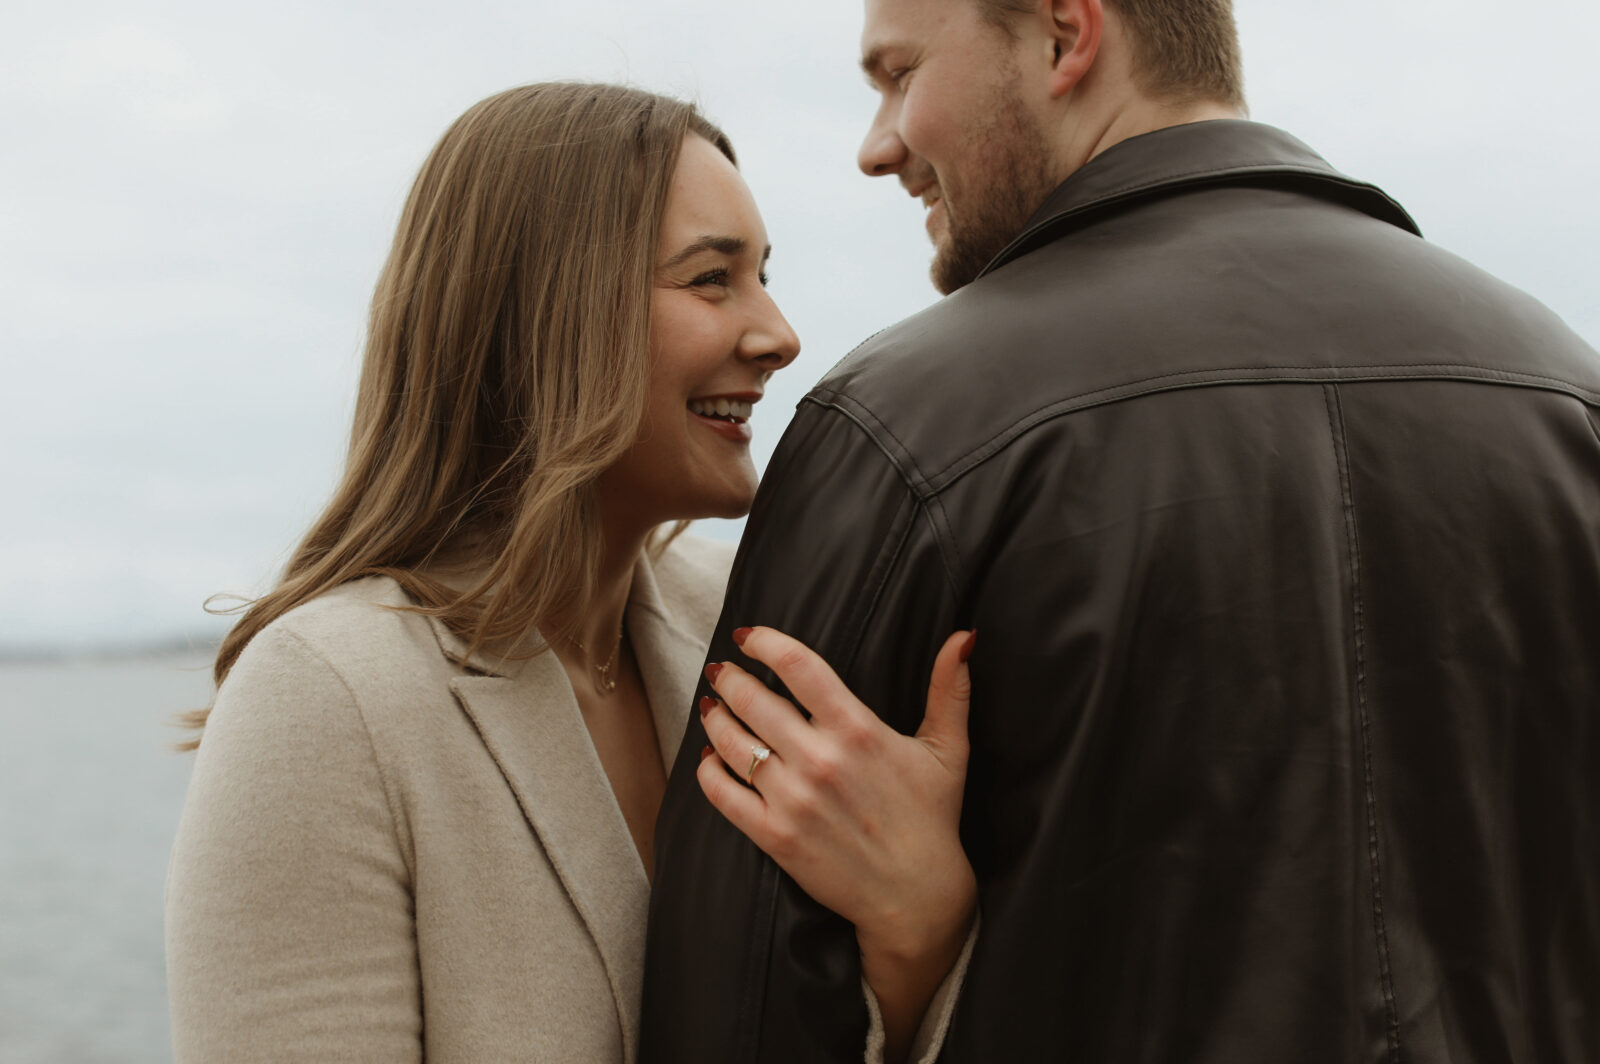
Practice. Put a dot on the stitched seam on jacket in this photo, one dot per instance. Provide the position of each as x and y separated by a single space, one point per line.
859 415
878 578
752 1005
963 463
377 764
1341 454
914 481
747 1041
944 535
1223 377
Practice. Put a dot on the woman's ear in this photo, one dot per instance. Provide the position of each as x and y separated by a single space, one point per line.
1072 30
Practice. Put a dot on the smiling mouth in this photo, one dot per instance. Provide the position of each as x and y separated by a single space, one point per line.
931 196
929 192
735 411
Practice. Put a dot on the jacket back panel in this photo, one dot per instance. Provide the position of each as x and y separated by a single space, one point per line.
1288 580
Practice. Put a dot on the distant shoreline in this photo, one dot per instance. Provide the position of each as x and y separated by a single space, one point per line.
110 650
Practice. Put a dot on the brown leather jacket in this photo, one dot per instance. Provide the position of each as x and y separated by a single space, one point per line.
1281 530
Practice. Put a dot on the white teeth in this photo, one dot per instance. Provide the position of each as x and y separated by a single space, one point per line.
725 408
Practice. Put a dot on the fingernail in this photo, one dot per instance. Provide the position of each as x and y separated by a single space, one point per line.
972 641
713 671
741 634
707 704
705 753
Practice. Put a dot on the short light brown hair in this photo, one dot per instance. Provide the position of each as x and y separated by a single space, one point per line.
1184 50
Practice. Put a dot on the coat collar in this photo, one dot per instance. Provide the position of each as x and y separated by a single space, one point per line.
1219 152
525 711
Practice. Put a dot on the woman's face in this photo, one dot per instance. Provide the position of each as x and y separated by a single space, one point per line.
715 338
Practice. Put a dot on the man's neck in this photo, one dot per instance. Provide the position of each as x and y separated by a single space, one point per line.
1135 118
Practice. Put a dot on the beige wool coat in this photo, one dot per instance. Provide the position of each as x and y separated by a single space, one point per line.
392 850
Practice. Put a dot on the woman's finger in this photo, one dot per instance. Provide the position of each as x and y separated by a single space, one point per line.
735 744
944 723
764 711
742 806
809 678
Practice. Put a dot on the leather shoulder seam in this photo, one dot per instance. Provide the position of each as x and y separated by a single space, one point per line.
899 457
878 577
942 478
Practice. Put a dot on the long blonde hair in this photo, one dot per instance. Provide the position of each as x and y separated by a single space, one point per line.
506 363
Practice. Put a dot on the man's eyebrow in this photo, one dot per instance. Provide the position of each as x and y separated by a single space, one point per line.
872 64
722 245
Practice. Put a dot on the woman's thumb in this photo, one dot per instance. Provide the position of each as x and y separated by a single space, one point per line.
944 721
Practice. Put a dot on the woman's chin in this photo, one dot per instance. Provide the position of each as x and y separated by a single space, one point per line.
727 509
734 500
732 510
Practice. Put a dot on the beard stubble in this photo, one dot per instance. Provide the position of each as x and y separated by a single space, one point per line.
1011 157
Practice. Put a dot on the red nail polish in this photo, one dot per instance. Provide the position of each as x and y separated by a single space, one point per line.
972 641
713 671
705 753
707 704
741 634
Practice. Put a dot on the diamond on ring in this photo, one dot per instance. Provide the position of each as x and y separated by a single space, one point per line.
758 754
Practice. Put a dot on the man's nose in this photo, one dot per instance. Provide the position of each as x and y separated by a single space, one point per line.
882 151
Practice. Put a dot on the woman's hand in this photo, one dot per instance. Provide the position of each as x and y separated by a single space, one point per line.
865 820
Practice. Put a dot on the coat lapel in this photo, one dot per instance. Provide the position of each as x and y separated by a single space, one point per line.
529 721
669 655
531 726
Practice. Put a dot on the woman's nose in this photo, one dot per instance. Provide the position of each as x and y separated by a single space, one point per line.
771 341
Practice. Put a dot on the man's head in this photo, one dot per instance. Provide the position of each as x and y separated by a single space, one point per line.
987 105
1183 50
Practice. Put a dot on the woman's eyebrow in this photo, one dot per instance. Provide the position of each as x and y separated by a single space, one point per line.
725 245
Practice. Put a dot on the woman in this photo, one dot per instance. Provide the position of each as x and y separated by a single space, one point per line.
420 820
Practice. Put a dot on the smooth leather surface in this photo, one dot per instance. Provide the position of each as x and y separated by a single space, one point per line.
1281 530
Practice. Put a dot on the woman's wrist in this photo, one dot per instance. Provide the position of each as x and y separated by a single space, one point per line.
933 928
906 957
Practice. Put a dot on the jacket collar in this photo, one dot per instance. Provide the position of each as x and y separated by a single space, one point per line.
1200 154
528 718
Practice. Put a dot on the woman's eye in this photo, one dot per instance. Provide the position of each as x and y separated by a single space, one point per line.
763 278
718 276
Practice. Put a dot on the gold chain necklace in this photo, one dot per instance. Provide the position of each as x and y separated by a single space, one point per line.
607 671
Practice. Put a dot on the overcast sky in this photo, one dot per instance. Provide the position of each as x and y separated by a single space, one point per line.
195 199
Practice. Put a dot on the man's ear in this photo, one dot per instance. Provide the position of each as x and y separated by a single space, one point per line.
1072 31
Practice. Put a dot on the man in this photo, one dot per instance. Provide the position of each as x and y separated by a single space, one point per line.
1281 531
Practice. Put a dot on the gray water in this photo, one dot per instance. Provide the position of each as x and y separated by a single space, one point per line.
90 794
